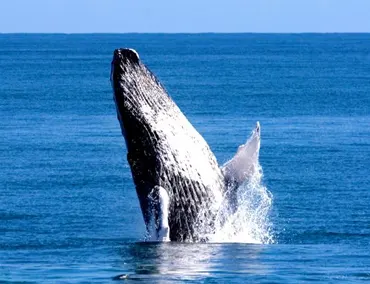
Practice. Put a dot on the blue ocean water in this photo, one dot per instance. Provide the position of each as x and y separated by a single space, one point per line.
68 208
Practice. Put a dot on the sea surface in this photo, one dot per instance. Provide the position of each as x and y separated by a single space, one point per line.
68 207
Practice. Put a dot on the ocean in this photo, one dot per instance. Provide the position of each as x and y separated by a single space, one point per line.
68 207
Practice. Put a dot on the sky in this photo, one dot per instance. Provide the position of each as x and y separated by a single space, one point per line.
190 16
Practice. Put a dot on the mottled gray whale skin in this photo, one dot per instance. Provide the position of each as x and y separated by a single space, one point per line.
176 175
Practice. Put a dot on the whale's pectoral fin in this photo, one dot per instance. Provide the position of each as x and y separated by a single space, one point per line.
245 162
158 228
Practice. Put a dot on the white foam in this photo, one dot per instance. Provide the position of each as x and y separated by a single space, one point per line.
249 223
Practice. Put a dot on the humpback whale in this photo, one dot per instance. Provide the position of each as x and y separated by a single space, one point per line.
179 184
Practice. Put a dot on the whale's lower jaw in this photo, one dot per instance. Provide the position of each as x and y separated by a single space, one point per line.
169 159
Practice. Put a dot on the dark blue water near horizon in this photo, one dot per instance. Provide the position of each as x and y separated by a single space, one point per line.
68 208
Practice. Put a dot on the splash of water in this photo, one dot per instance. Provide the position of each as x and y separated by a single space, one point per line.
248 221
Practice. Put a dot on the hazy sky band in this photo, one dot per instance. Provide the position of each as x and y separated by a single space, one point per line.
114 16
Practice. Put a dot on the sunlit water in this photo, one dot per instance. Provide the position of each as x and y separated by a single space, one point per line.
68 208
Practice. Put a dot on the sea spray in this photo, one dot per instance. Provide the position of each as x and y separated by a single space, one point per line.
249 221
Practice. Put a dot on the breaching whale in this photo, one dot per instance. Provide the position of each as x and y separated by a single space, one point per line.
178 181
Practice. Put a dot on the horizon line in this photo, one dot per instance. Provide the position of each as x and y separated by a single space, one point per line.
172 33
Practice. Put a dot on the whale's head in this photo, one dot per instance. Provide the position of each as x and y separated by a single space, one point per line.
138 94
139 99
134 85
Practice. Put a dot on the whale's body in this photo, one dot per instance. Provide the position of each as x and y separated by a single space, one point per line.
178 180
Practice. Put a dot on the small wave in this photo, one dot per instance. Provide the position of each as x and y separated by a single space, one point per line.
319 236
9 216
